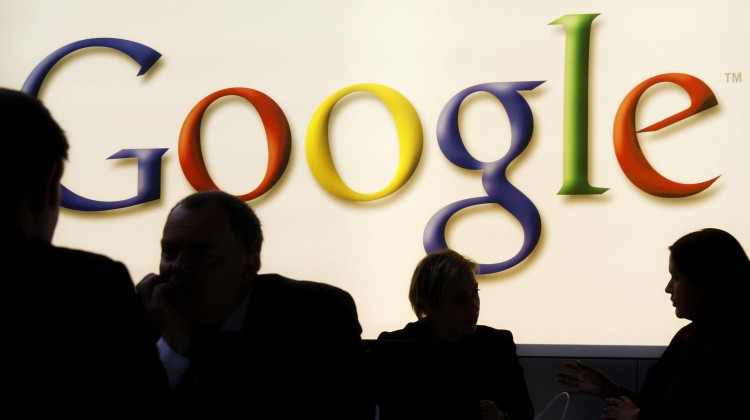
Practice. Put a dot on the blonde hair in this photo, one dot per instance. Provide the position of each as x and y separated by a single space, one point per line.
430 276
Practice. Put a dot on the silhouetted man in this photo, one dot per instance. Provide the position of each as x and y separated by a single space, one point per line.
241 344
75 340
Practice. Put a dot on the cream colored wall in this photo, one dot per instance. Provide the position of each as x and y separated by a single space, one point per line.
597 275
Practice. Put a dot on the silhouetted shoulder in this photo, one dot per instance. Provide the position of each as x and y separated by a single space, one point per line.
39 256
302 292
308 337
310 308
84 303
418 330
295 286
68 277
492 334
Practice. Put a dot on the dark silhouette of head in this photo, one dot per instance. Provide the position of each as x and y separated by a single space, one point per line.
715 262
244 221
35 148
34 144
431 274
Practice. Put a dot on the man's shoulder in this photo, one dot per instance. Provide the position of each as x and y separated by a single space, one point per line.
76 255
87 263
45 252
279 283
67 292
78 269
279 294
315 308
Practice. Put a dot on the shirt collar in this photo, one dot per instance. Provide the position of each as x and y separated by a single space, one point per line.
236 319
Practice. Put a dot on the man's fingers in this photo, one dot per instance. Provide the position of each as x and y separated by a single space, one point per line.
147 284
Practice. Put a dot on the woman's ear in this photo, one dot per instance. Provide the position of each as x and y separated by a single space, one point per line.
430 308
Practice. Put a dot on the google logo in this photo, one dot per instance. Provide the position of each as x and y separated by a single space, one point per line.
499 191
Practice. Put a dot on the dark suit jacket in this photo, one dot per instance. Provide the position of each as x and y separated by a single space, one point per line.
418 378
75 340
299 355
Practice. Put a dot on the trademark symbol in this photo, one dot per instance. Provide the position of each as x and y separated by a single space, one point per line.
733 77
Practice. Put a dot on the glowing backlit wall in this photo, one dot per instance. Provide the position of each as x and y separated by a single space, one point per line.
596 262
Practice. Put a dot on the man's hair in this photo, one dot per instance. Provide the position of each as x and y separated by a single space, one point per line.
242 218
34 145
431 275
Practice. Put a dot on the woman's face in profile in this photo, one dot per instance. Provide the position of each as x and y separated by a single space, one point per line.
684 294
457 312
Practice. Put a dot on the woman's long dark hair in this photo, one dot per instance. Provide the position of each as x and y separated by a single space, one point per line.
715 262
